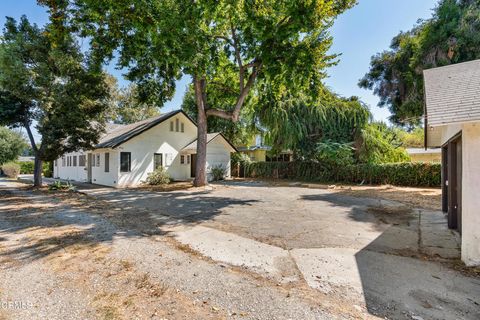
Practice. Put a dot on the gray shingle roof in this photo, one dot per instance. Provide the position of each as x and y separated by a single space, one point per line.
452 93
118 134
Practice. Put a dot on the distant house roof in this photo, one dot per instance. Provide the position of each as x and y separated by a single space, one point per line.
452 93
117 134
424 151
210 137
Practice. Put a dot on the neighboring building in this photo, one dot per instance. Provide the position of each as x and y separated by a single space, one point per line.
425 155
256 150
127 153
452 121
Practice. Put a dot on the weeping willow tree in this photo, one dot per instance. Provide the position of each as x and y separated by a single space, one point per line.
329 129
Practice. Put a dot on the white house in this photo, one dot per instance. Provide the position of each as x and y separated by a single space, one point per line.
452 122
127 153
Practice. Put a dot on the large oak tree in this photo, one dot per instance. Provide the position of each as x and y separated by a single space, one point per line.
221 44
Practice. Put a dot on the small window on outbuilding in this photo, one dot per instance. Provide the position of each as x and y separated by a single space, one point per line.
182 159
188 159
171 126
125 161
177 125
98 159
93 160
107 162
182 127
74 161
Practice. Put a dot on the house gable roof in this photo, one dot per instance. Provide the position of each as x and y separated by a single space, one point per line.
210 137
119 134
452 93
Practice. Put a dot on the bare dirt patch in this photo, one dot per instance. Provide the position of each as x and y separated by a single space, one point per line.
429 198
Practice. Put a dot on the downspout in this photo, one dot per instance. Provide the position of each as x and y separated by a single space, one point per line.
425 121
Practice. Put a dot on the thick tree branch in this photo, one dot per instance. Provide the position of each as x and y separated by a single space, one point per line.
235 114
238 57
30 137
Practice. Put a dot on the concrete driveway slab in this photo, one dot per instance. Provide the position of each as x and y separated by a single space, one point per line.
270 261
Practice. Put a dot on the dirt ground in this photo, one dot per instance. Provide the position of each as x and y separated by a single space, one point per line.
244 249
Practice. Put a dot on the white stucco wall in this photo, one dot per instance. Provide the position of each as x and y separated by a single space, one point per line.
158 139
142 148
470 186
218 154
470 194
75 173
99 176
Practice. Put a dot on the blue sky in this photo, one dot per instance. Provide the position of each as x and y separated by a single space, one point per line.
358 34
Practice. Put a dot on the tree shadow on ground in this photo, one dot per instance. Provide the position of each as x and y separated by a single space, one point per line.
37 224
395 279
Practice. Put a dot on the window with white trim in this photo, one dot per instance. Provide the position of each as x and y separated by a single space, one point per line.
98 159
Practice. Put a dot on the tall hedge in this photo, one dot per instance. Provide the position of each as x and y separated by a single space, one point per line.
401 174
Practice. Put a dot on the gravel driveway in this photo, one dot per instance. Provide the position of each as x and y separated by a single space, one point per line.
234 250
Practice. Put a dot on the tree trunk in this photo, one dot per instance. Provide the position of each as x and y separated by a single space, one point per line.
37 172
37 168
200 169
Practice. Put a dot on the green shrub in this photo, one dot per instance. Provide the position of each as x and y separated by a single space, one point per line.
58 185
218 172
158 177
47 169
26 167
401 174
11 169
239 157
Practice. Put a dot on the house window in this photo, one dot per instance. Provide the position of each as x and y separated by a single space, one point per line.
63 161
171 126
157 160
81 161
98 159
125 161
188 159
182 127
177 124
107 162
74 161
182 159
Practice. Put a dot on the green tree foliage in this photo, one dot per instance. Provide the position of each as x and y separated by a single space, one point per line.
378 143
11 145
125 106
226 44
332 130
411 139
452 35
45 80
239 133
